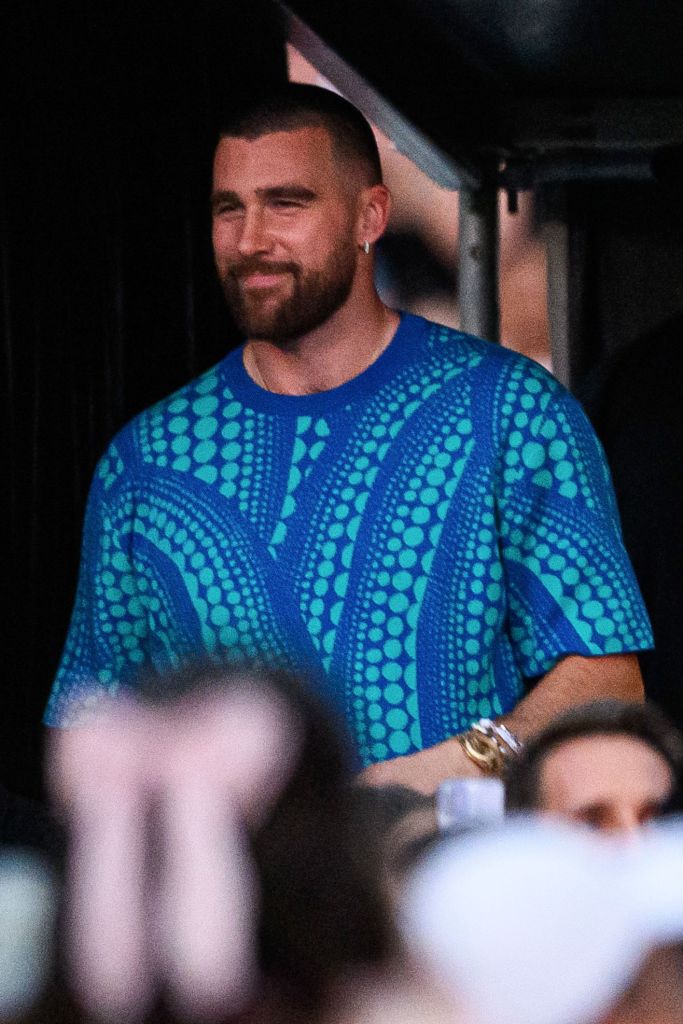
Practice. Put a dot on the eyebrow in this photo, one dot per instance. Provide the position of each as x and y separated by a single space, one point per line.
286 191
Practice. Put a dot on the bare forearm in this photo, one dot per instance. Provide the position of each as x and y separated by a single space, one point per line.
574 680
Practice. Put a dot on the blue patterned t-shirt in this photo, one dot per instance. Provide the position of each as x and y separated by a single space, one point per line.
429 536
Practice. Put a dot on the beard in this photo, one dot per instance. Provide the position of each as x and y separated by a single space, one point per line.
314 296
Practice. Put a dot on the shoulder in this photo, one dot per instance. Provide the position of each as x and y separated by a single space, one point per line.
164 432
489 358
197 400
503 379
529 417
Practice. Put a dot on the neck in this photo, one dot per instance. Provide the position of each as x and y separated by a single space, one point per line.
340 349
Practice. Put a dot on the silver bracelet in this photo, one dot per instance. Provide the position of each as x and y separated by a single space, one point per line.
500 733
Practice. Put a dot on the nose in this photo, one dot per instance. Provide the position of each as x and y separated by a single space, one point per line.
253 237
626 822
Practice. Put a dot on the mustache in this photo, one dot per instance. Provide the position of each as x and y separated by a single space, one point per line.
256 266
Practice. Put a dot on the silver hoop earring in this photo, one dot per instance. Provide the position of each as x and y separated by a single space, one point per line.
366 247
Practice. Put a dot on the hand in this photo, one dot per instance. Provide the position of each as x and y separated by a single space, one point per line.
423 771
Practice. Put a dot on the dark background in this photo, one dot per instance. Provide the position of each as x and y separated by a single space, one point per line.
109 113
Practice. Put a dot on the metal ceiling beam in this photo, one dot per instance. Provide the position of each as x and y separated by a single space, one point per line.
479 235
405 135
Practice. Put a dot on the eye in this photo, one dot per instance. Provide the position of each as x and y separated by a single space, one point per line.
225 206
650 811
286 204
595 816
225 209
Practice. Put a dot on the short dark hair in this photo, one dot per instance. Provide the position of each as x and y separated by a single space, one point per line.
644 722
293 105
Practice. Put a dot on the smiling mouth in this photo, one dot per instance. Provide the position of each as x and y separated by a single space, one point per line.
262 279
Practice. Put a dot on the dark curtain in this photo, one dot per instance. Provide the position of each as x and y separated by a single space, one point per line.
109 118
636 405
629 347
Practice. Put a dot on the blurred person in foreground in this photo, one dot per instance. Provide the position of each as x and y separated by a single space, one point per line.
539 922
610 765
217 869
404 824
400 824
28 824
422 518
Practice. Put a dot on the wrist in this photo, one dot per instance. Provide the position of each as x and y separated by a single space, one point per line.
490 746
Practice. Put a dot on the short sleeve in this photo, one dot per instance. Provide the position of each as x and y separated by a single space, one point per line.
570 585
104 644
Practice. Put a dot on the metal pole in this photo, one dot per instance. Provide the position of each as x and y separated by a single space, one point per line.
556 236
478 266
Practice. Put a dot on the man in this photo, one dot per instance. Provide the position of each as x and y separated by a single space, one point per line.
611 765
421 518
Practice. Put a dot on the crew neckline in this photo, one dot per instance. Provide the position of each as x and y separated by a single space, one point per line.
401 349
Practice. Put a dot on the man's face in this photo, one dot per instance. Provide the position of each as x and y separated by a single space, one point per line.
284 231
610 782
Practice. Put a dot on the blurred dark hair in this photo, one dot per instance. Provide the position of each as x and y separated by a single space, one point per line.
400 824
292 105
322 906
643 722
386 806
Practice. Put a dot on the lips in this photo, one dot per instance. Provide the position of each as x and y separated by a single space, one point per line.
260 279
261 276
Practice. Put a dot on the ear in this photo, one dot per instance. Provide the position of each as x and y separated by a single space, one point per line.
373 217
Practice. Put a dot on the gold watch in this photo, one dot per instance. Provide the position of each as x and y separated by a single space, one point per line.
489 745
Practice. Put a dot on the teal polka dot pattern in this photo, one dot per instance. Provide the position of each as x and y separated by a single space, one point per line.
424 539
